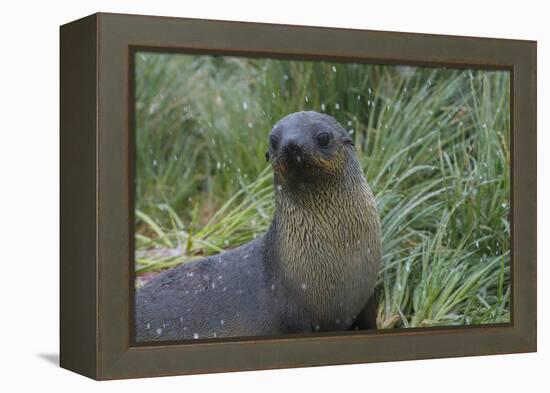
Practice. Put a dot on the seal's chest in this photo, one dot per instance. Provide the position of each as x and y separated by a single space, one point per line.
328 286
328 257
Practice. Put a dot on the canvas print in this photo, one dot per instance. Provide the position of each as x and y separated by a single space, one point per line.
276 197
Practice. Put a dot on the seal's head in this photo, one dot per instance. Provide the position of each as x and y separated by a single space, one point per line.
308 145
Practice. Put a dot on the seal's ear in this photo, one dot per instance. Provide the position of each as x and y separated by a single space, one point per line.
267 156
348 141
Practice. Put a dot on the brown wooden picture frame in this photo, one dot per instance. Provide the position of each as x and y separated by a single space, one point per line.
97 195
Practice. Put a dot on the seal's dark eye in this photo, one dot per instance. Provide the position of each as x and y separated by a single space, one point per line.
323 138
274 142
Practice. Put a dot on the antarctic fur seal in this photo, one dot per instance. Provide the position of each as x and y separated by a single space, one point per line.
315 268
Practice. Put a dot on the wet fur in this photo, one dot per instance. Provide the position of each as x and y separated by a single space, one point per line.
314 270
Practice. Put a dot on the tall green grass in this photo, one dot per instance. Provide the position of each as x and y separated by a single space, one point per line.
433 142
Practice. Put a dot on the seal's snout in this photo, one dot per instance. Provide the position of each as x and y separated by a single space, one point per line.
293 151
292 148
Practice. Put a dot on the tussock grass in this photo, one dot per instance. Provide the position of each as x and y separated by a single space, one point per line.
433 142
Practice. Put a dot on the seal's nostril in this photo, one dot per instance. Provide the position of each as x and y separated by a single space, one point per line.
291 147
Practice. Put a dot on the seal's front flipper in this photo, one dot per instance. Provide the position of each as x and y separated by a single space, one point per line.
366 320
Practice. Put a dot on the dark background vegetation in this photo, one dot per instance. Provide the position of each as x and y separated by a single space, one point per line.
434 146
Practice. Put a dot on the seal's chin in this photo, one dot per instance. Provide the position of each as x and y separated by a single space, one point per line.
297 168
297 161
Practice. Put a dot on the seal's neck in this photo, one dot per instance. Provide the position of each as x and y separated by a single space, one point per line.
322 235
